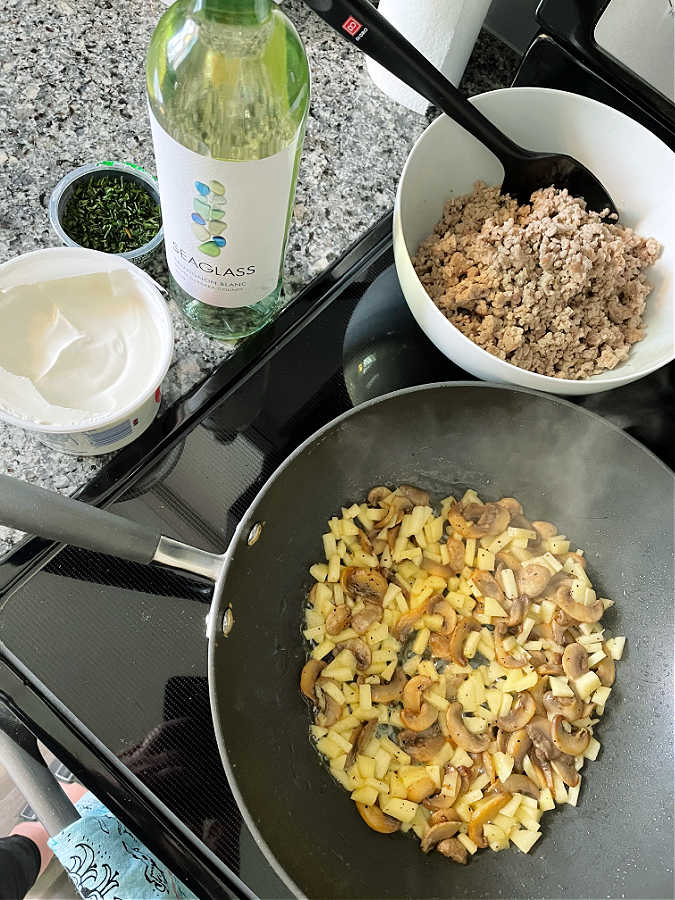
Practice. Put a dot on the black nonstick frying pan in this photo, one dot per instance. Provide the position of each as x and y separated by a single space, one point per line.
609 494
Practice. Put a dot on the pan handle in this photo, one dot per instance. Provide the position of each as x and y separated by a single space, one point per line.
47 514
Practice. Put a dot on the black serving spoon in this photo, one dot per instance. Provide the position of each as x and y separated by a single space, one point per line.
525 171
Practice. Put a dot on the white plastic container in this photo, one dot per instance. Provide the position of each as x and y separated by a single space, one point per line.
109 431
636 167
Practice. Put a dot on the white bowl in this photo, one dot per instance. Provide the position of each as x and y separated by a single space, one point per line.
109 431
636 168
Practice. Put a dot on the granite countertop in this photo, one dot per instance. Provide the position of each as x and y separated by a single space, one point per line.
72 91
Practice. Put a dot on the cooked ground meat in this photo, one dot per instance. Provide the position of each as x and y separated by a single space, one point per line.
547 286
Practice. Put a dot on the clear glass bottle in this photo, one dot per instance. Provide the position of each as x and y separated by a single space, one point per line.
228 91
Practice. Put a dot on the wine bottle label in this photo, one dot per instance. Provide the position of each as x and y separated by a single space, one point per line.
224 222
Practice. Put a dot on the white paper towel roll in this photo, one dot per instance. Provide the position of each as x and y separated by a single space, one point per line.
443 30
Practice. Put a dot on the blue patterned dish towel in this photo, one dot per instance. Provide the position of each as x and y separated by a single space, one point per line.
106 862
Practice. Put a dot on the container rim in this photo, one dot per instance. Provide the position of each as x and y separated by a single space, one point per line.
161 316
85 171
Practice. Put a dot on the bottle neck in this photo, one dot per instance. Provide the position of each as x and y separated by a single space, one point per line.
234 12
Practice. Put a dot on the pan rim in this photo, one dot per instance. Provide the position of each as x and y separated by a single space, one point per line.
214 617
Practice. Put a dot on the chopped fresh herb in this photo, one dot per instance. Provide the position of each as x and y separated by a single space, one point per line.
111 213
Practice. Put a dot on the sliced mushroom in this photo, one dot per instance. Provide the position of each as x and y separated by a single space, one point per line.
559 625
360 740
377 820
563 766
487 585
538 693
580 612
577 557
359 650
422 747
521 713
504 658
396 507
507 560
477 520
442 815
518 746
338 619
552 666
449 792
573 743
407 621
605 669
575 661
545 530
484 811
513 506
412 693
434 568
442 607
532 579
521 784
310 672
542 770
438 833
362 620
419 721
460 734
364 541
420 790
502 740
453 849
488 765
517 612
537 658
539 732
330 711
387 693
363 583
456 552
459 635
414 494
570 708
376 494
440 645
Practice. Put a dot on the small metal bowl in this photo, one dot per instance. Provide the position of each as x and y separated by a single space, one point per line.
129 171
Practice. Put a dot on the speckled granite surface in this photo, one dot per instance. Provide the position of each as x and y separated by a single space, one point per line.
72 91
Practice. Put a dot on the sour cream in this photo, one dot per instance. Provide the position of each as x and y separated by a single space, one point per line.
74 350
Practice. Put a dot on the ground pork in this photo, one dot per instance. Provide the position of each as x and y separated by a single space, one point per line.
547 286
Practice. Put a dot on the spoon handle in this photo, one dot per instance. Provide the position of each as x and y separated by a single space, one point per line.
358 22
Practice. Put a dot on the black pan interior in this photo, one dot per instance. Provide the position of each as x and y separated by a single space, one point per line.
603 490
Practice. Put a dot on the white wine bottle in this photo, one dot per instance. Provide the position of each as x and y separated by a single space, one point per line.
228 92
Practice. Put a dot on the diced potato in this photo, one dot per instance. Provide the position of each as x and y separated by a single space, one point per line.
559 789
397 808
365 714
615 646
546 800
419 823
511 807
382 761
313 617
396 751
377 633
470 551
434 622
410 665
601 696
592 750
475 724
385 656
367 795
323 649
596 657
587 684
558 545
396 786
338 673
493 608
328 687
317 731
505 705
388 672
444 755
503 765
365 701
436 700
525 840
316 634
473 796
461 758
495 837
485 560
319 571
329 544
434 772
463 809
573 794
395 718
345 778
468 843
529 823
547 611
506 823
530 804
328 747
471 644
526 682
560 686
509 584
380 786
525 629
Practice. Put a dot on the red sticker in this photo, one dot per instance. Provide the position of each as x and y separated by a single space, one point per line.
158 394
352 26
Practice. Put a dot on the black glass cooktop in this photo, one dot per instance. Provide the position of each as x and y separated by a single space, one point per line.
107 660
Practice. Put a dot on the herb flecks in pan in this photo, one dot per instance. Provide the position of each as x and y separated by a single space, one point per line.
458 668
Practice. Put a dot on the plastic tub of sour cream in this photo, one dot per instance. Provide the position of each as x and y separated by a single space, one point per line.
85 342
